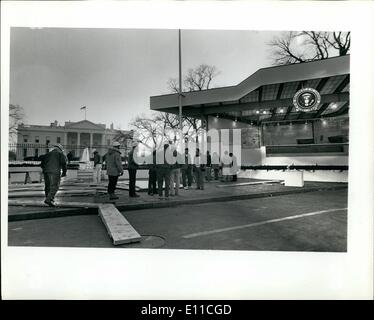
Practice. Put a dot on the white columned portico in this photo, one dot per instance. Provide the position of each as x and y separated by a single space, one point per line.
65 139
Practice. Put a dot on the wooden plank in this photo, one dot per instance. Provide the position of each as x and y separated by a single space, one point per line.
247 183
63 188
39 203
24 169
37 193
81 185
21 185
119 229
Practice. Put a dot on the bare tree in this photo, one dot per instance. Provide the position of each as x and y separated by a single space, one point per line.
200 78
146 130
153 130
123 136
341 42
16 115
296 47
196 79
173 85
160 127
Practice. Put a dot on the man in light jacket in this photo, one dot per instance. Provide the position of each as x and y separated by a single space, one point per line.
226 166
113 168
175 172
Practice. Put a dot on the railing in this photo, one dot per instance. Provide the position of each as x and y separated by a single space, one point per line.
33 151
308 149
297 167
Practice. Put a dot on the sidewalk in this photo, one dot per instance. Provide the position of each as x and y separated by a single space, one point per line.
211 193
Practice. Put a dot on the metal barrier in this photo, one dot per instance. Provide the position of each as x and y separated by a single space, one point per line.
33 151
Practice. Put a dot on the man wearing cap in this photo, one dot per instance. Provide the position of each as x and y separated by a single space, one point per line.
52 164
132 167
113 168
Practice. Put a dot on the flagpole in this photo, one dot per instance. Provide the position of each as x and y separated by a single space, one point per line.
180 82
85 112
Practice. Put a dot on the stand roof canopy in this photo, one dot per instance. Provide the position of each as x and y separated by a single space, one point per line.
267 95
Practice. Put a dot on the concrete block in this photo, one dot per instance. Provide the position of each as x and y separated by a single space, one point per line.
294 179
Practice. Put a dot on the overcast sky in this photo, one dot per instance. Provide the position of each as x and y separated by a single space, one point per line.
54 72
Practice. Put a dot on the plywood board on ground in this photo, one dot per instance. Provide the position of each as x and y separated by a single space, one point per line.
119 229
246 183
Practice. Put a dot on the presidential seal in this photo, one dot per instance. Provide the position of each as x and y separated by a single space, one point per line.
307 99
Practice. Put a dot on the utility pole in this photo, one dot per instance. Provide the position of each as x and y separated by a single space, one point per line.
180 82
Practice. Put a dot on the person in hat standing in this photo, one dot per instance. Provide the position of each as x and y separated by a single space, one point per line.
199 168
187 170
163 169
52 164
113 168
97 167
132 167
234 167
175 172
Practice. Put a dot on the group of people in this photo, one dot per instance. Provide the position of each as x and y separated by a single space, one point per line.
166 168
114 169
164 175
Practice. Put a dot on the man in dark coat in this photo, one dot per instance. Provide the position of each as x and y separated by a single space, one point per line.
208 171
69 156
132 167
199 168
187 170
113 168
52 164
97 167
152 174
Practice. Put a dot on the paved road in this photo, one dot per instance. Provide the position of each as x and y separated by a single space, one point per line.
315 221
